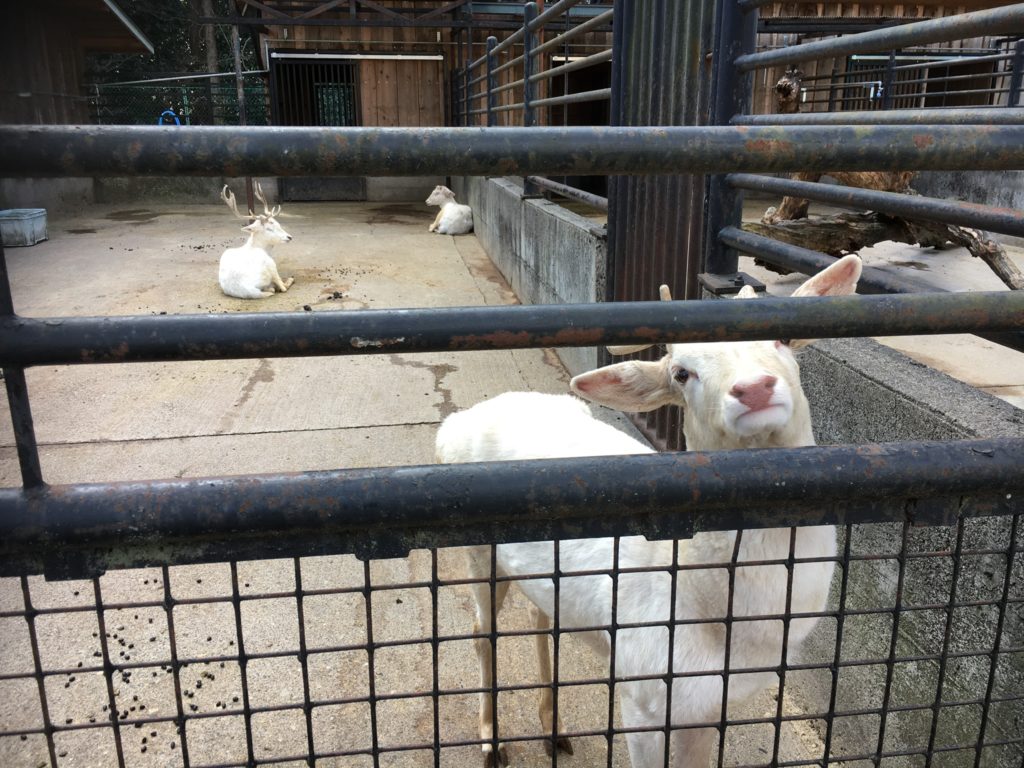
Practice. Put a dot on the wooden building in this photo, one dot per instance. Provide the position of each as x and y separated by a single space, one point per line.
43 45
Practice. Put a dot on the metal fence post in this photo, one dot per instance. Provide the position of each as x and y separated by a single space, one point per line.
731 93
492 99
529 43
887 81
1016 76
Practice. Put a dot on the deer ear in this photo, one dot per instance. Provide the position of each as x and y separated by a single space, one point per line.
837 279
632 386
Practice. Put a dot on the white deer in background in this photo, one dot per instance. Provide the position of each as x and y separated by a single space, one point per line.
249 272
453 218
734 395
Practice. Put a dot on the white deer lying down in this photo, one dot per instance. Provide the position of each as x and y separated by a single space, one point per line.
249 272
453 218
735 395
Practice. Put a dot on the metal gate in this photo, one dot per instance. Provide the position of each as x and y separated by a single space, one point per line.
949 511
322 90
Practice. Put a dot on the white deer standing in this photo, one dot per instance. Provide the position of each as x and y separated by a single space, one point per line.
734 395
249 272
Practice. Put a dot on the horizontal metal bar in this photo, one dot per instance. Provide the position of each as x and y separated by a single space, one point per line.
386 512
507 87
995 21
940 116
551 12
90 150
505 44
572 66
507 107
872 281
601 203
579 29
508 65
154 338
574 98
1007 221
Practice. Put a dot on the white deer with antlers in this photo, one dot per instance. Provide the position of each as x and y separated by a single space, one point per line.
249 272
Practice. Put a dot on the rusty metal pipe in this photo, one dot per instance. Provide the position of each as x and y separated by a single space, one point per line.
385 512
46 151
151 338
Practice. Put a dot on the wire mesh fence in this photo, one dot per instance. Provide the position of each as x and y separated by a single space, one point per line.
179 102
916 657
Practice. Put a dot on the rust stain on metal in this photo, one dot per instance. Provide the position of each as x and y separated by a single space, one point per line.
767 146
361 343
498 338
923 140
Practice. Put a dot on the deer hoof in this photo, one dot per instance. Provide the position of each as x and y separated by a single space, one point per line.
562 744
500 762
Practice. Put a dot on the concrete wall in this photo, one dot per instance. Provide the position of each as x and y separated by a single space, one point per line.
863 392
548 254
860 392
55 195
74 194
1000 188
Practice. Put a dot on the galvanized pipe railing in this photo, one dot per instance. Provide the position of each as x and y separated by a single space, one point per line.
935 116
45 151
386 512
595 201
996 21
534 72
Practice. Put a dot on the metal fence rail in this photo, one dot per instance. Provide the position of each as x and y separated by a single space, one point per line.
919 647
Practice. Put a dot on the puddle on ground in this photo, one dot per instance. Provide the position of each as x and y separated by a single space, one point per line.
140 215
84 231
911 264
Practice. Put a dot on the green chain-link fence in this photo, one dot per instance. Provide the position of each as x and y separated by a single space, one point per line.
182 102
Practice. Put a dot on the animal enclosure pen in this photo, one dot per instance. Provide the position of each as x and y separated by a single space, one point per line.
165 671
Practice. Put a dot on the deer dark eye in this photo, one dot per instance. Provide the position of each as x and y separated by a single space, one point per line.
785 342
681 375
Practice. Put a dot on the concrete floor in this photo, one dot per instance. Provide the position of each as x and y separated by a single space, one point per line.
123 422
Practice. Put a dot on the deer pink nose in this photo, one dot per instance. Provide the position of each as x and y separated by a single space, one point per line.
755 393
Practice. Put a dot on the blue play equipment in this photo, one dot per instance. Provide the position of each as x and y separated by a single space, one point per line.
168 113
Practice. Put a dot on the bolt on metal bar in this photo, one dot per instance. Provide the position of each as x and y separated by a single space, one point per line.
996 21
579 29
572 66
574 98
45 151
386 512
1007 221
601 203
82 340
936 116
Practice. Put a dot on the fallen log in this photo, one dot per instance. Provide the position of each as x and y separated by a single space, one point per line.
850 232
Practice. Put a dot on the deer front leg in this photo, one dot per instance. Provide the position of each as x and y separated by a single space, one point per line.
479 567
278 283
562 743
437 222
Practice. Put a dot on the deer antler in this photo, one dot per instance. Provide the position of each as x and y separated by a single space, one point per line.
266 208
626 349
229 198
